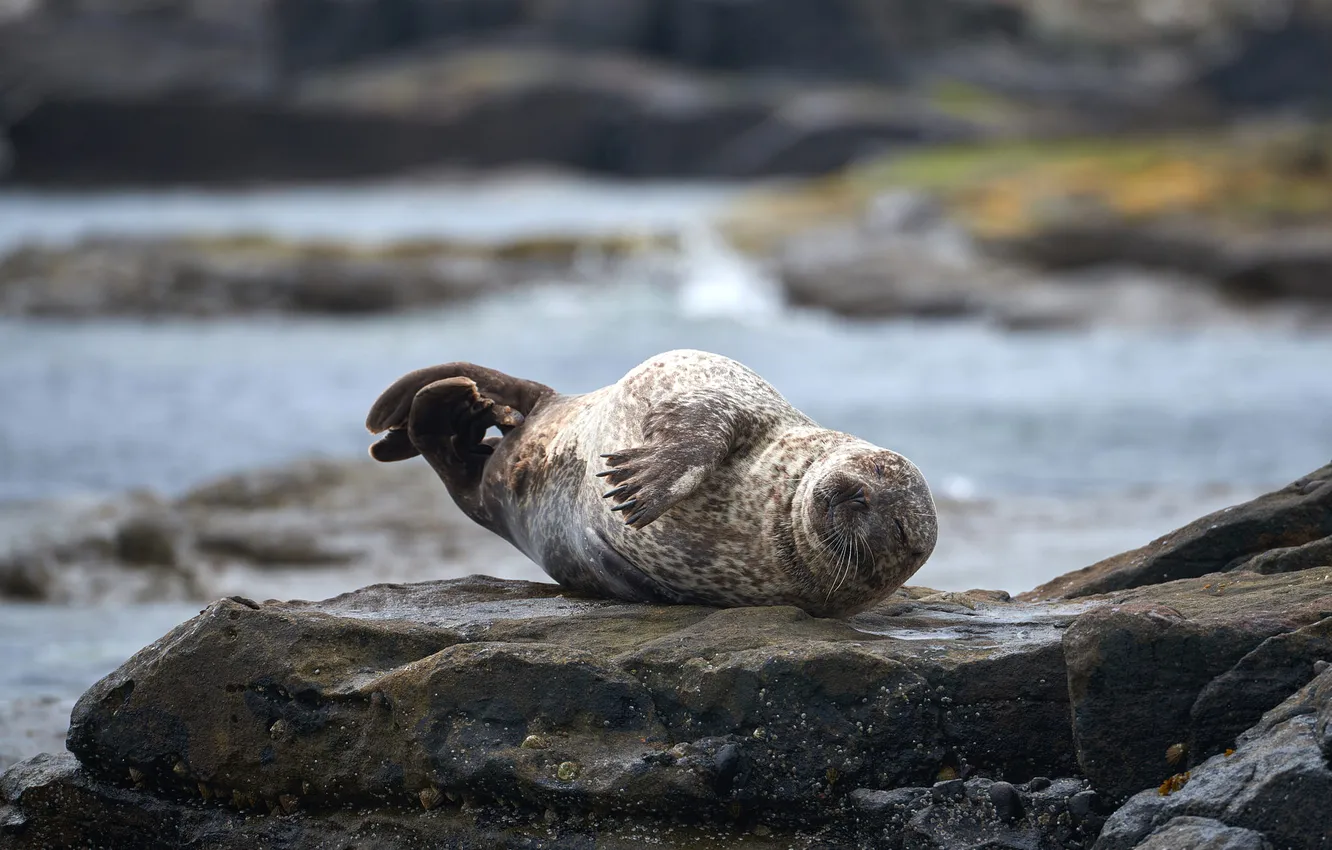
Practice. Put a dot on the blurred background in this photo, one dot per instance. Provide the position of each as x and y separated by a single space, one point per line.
1073 257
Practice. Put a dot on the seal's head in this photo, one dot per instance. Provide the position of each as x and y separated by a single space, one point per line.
864 521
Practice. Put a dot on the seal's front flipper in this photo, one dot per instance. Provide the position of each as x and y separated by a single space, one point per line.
685 440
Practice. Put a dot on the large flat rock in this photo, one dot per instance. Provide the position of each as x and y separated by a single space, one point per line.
513 692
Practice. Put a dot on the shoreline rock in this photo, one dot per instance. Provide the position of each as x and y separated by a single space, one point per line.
216 276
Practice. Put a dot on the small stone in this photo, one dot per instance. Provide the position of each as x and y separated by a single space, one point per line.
278 730
727 765
1081 804
762 830
1321 667
534 742
430 797
180 769
567 771
136 775
1007 803
949 789
871 801
1038 783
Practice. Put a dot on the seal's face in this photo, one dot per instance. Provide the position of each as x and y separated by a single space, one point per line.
866 521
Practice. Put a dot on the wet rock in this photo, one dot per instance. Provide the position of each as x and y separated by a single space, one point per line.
949 789
1271 791
49 802
1006 801
753 706
1296 515
1081 804
889 803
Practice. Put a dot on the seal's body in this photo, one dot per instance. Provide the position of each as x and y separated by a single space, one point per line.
691 479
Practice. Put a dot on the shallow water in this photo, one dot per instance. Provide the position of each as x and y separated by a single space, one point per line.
483 210
104 406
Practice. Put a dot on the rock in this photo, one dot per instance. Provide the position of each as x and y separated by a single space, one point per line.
949 789
1271 791
918 262
1129 709
1203 834
191 91
662 708
1235 700
1006 801
1289 559
50 802
1296 515
274 531
245 275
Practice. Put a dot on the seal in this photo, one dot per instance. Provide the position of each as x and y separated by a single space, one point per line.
689 480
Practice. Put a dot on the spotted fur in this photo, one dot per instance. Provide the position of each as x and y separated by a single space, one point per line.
691 479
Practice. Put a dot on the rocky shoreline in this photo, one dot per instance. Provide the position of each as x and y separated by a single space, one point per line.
1176 710
189 92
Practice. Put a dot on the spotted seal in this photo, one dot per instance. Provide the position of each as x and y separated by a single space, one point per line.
691 479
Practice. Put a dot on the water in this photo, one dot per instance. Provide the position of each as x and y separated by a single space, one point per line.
480 210
106 406
1048 450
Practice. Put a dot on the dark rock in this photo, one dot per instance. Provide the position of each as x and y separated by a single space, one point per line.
894 802
50 802
1235 700
1038 783
1289 559
949 789
253 531
1275 784
1129 708
201 277
1006 801
950 825
148 541
1293 516
1081 804
756 706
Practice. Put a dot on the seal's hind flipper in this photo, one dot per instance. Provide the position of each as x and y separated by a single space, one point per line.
449 420
394 446
394 405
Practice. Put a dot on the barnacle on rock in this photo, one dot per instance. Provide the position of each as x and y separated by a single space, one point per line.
567 770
